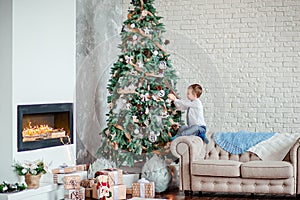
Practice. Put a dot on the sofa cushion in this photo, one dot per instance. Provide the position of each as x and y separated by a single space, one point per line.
267 169
226 168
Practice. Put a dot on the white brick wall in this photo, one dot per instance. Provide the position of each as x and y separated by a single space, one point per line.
245 53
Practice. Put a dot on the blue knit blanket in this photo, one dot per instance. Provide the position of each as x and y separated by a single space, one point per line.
240 142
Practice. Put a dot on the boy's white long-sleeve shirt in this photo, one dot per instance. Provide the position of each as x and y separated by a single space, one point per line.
195 111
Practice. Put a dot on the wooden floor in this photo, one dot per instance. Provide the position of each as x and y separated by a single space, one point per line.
177 195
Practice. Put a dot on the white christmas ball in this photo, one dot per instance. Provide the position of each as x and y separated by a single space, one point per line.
152 138
161 93
155 53
136 131
132 25
134 37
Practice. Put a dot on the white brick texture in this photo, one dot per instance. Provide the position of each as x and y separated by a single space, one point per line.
245 54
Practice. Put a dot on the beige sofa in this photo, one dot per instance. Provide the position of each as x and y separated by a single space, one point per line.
209 168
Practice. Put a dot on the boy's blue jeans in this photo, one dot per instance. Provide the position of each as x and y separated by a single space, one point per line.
192 130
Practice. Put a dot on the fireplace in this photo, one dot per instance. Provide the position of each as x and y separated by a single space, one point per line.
44 125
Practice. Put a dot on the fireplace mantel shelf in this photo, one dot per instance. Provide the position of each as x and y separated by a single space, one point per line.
45 191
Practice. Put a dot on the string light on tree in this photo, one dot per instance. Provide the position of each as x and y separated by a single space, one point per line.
138 122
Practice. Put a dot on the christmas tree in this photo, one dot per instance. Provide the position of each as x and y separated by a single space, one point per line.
141 119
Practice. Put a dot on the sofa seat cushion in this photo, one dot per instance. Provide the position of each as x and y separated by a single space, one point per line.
225 168
267 169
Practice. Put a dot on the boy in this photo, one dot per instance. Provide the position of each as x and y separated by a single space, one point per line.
194 118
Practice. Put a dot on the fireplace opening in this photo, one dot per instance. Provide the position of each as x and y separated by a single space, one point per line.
44 125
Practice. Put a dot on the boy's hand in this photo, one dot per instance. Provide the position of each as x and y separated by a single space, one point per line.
171 96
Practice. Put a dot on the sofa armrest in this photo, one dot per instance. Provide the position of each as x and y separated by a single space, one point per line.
295 157
187 149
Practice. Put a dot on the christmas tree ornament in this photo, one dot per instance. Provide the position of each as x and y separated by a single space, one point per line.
168 101
161 93
145 97
136 131
132 25
130 127
158 133
155 52
134 37
144 13
162 65
128 106
152 137
140 64
167 42
135 119
147 111
121 59
165 115
147 31
128 59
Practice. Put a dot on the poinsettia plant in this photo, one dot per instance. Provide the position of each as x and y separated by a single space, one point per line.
34 168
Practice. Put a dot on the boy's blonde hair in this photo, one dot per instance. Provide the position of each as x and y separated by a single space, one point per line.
196 89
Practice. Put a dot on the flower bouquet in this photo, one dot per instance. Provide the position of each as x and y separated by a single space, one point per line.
6 187
32 172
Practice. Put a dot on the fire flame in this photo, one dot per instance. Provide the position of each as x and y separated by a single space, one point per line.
36 130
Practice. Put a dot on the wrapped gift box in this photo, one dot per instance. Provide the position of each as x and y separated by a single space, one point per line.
88 183
59 178
117 191
72 182
143 188
77 194
66 170
89 192
115 176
